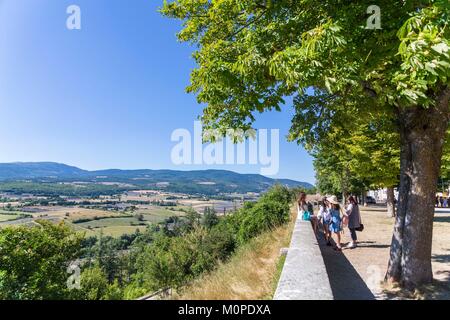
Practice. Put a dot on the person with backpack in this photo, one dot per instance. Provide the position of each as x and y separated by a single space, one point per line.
335 225
305 211
353 220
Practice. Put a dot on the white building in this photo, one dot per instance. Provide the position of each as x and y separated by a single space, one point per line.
380 195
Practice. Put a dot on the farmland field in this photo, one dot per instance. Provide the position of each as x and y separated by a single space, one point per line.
116 224
218 205
7 217
106 229
117 231
108 214
9 213
73 213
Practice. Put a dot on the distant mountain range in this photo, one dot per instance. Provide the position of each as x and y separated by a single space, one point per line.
196 181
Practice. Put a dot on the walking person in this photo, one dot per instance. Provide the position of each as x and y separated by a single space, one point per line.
324 217
335 225
353 219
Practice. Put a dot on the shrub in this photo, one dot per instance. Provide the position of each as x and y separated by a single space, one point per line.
209 218
95 286
34 261
264 216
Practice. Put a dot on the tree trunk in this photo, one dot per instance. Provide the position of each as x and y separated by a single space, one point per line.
422 133
390 202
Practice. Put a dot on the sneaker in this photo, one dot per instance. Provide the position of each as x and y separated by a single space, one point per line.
351 245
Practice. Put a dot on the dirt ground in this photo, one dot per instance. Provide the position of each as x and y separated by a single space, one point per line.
357 273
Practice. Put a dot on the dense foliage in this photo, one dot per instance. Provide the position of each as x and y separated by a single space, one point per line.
60 189
34 260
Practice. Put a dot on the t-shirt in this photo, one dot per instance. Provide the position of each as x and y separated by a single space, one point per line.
324 213
302 208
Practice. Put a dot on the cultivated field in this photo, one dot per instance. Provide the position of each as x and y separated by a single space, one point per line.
110 214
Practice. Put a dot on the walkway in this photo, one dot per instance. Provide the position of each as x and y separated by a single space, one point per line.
356 273
345 281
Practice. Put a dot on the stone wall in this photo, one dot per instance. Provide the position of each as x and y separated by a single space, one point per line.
304 276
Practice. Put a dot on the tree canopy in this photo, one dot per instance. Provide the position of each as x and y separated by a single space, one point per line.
252 55
34 261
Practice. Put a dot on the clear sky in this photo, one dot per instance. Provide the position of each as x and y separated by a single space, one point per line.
106 96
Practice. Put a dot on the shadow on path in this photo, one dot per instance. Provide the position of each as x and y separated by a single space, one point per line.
345 281
379 246
441 219
443 258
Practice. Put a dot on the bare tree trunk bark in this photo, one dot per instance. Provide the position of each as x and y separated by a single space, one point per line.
422 133
390 202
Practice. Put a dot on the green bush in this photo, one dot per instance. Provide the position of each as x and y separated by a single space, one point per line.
34 261
173 261
264 216
209 218
95 286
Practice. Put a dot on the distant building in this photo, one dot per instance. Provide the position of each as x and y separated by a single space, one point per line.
380 195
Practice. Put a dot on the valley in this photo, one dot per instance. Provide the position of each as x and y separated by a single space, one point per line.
111 215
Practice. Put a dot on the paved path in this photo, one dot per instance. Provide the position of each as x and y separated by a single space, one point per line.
356 274
345 281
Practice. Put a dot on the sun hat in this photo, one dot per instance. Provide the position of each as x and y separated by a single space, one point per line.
333 200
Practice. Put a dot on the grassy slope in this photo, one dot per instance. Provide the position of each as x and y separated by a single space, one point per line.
251 273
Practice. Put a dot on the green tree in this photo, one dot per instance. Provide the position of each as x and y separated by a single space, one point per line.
353 153
34 261
253 54
95 286
105 253
271 210
175 259
209 218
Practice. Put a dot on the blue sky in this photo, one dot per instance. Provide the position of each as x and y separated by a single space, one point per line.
108 95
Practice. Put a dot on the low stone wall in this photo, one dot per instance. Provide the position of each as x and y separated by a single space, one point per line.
304 276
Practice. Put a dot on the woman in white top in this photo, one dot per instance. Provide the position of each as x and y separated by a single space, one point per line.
324 217
353 218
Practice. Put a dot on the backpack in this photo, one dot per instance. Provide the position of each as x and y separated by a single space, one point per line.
306 216
361 226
